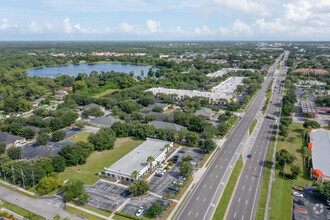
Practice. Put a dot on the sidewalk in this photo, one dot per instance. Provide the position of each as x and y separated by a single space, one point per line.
86 210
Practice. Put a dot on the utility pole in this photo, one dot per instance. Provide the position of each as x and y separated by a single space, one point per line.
22 175
13 173
3 171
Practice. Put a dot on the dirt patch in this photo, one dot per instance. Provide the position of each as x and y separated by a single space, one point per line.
120 141
107 93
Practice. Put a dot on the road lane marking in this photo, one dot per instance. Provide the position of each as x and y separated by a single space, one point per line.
216 166
216 176
204 185
234 214
211 187
222 183
197 214
239 199
246 202
197 198
189 212
204 199
243 187
250 189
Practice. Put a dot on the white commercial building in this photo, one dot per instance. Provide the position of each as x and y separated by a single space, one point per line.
136 160
228 86
222 72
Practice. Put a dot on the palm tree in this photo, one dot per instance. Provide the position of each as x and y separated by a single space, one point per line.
135 174
150 159
167 147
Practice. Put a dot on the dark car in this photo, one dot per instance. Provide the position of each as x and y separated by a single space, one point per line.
176 156
174 188
125 193
182 151
174 160
249 156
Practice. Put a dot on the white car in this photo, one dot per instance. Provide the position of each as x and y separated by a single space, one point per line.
298 194
160 172
139 212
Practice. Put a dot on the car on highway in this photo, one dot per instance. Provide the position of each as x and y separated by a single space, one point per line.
297 194
271 117
139 212
299 188
249 156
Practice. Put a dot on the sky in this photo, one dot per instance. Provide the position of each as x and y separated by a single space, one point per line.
184 20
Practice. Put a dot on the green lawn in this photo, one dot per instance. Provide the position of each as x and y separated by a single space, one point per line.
223 204
81 213
20 211
281 198
79 137
98 160
118 217
98 211
252 126
265 182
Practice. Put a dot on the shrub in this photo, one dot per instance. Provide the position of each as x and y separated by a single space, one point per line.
139 187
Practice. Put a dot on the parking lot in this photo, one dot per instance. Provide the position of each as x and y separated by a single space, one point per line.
159 185
105 195
312 206
135 203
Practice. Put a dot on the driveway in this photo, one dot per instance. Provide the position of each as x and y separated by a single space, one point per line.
45 207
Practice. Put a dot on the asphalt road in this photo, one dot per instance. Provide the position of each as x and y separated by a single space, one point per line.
202 202
246 197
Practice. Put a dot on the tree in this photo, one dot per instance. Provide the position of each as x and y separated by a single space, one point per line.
295 171
283 157
146 100
27 133
45 163
324 189
57 217
139 187
3 147
150 159
58 135
104 139
59 163
208 145
42 139
80 124
55 124
14 153
95 111
308 115
83 198
156 209
311 124
74 154
72 189
135 174
121 129
157 109
48 184
167 147
186 168
192 139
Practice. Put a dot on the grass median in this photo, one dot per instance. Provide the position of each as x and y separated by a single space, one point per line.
252 126
81 213
20 211
268 98
223 204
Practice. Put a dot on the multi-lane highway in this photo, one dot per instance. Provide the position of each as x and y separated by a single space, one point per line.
246 197
202 202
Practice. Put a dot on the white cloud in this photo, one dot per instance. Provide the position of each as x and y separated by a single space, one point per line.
125 27
34 27
241 28
5 24
67 26
247 6
204 30
153 26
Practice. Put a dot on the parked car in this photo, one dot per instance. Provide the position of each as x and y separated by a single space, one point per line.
160 172
182 151
176 156
249 156
179 180
299 188
139 212
173 188
174 160
125 193
298 194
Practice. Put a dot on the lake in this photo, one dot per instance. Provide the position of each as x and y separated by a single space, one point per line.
73 70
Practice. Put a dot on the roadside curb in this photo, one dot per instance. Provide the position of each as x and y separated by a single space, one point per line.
86 210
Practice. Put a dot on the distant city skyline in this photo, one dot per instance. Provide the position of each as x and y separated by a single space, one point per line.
113 20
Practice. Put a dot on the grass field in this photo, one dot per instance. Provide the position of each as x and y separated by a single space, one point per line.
79 137
18 210
223 204
98 160
98 211
265 182
81 213
252 126
281 198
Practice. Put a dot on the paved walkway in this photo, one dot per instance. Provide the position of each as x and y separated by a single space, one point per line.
45 207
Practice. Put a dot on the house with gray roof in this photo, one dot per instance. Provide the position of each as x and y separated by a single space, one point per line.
11 140
104 122
137 160
206 112
161 105
93 105
320 147
162 124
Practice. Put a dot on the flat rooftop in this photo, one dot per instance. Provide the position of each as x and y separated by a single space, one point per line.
229 85
321 150
223 71
137 158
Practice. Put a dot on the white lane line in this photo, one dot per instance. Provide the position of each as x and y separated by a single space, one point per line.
211 187
197 214
243 217
250 189
216 176
234 214
211 175
204 199
216 166
243 187
204 185
246 202
239 199
189 212
197 198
